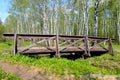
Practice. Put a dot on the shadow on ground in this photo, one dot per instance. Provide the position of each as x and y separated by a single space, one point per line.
71 56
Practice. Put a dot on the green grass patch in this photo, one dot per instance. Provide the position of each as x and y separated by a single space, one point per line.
116 46
7 76
105 64
5 46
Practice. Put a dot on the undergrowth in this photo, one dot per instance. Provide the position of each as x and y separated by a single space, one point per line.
7 76
5 46
105 64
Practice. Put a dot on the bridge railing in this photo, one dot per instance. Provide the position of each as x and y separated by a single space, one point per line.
64 43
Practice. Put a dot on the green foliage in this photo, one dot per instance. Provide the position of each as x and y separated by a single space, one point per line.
26 16
1 31
7 76
5 46
105 64
116 46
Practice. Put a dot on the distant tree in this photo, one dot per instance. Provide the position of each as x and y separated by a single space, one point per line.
1 29
95 29
118 23
67 17
86 17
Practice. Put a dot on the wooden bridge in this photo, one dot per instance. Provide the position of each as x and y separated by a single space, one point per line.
57 44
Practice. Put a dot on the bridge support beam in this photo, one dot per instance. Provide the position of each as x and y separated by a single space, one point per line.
57 54
110 47
87 49
15 43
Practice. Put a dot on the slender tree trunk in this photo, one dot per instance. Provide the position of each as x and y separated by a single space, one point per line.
95 29
56 29
86 7
118 26
45 27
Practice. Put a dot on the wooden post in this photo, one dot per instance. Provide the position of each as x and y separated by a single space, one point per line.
15 43
87 50
110 47
57 54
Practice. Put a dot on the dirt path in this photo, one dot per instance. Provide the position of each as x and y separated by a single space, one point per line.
26 72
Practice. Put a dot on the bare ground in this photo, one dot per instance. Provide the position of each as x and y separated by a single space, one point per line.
28 72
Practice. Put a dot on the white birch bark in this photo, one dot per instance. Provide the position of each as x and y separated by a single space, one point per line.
45 27
95 29
56 29
85 13
118 24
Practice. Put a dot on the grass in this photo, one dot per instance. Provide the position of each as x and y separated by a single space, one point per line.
7 76
5 46
116 46
105 64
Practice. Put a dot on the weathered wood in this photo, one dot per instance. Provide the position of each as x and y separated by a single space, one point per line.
57 47
44 40
15 43
95 45
49 48
44 50
71 44
103 47
110 47
65 41
79 47
47 36
87 49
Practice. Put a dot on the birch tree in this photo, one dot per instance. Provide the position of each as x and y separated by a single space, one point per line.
1 29
118 23
45 27
56 29
95 29
86 8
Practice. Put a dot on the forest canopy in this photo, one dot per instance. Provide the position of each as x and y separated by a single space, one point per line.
99 18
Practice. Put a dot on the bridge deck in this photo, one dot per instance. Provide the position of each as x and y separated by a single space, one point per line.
62 44
44 50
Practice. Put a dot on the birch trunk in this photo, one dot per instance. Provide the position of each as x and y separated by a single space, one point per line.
45 28
118 26
86 7
55 18
95 29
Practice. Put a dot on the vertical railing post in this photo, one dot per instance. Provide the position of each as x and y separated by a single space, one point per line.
110 47
15 43
87 49
57 54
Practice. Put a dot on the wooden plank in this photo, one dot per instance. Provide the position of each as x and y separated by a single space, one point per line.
79 47
71 40
99 44
15 43
68 41
29 35
63 36
49 48
110 47
73 49
57 47
103 47
87 49
44 40
72 44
